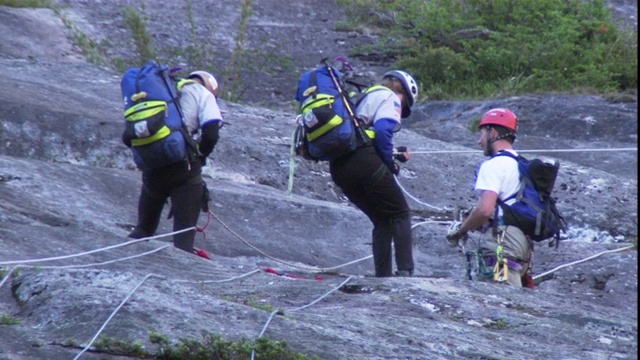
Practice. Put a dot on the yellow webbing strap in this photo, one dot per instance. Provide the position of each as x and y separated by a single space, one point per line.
160 134
501 270
335 121
145 110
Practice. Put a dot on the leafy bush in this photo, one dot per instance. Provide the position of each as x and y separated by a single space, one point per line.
478 48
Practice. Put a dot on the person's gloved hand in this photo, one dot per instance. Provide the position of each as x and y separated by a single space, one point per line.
454 235
401 153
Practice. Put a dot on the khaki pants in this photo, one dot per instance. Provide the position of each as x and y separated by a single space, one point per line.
515 246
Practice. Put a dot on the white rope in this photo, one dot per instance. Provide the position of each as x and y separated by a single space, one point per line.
430 222
96 250
7 276
86 265
308 268
520 150
416 199
104 262
581 261
112 315
133 291
273 313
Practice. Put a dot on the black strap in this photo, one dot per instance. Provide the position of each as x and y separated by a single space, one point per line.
194 154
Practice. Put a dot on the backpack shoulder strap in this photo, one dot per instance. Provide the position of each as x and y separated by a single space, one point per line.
357 98
516 158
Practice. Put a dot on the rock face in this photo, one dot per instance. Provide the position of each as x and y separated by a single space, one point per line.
69 195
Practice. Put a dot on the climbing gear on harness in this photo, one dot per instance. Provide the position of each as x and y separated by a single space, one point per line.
501 269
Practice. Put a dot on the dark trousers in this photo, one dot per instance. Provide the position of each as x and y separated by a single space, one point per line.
184 187
369 185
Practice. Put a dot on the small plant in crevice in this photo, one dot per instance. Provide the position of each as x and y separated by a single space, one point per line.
258 305
499 324
115 346
231 86
8 320
92 50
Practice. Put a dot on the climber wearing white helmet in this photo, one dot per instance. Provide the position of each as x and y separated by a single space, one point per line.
366 176
182 182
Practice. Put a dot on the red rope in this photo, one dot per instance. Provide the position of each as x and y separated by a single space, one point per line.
201 229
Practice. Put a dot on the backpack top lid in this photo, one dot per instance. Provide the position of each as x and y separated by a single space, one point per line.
318 81
153 78
543 174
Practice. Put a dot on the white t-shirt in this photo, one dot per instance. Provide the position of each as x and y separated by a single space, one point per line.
198 106
499 174
380 104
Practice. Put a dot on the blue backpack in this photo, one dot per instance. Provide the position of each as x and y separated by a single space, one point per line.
535 211
153 117
327 129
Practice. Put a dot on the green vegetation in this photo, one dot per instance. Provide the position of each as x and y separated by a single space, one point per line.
499 324
232 89
90 49
8 320
212 347
258 305
477 48
241 69
26 3
141 37
114 346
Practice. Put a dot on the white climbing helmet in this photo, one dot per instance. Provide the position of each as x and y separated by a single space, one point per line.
410 88
208 80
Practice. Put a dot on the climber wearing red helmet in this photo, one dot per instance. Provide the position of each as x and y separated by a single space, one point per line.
497 180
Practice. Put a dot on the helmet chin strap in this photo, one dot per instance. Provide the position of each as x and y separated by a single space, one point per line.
491 141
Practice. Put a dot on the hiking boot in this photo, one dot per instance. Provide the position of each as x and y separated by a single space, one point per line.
404 273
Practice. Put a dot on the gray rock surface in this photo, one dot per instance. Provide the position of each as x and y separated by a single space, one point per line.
68 187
